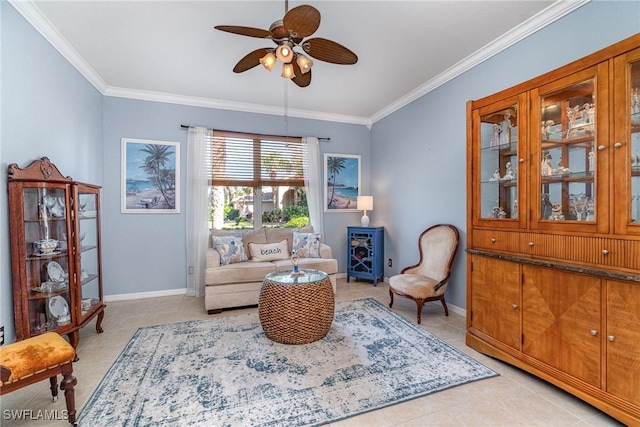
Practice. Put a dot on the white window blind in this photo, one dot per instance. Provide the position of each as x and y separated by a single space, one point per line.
256 160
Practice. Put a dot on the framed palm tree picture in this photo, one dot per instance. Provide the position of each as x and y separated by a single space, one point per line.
150 176
341 182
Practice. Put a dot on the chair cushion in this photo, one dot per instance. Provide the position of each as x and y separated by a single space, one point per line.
415 286
32 355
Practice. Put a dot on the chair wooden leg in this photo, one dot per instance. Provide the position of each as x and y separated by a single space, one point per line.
419 303
54 387
444 304
391 295
68 384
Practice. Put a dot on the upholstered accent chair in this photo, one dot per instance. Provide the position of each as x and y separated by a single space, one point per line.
427 280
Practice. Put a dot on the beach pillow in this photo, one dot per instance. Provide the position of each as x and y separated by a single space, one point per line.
306 245
269 251
230 248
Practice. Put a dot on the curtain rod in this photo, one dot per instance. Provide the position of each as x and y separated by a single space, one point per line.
280 136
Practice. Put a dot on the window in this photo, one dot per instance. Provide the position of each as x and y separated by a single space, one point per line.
257 180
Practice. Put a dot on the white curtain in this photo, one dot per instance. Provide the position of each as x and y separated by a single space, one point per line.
198 175
313 182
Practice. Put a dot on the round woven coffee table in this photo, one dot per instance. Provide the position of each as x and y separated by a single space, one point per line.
296 309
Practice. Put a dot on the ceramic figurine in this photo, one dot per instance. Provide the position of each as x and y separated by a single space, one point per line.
545 168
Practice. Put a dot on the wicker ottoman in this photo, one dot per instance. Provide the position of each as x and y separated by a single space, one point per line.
296 309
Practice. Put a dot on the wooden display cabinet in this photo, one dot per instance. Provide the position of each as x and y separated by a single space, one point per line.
553 286
55 251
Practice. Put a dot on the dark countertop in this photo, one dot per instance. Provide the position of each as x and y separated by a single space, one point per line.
600 272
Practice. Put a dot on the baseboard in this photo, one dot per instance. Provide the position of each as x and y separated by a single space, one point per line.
142 295
172 292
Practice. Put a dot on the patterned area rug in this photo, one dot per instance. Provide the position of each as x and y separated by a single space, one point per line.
226 372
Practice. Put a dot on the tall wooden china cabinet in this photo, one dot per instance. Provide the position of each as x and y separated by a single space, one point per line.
55 251
553 264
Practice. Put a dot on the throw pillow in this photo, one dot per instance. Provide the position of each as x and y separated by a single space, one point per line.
306 245
268 251
230 248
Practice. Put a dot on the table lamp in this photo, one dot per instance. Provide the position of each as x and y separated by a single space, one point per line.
365 203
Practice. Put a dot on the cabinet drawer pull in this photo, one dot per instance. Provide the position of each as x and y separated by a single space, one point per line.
531 244
611 338
605 252
514 306
601 147
521 160
618 144
493 240
593 332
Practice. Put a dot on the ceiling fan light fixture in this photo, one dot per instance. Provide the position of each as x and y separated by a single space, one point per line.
268 61
287 71
304 63
284 52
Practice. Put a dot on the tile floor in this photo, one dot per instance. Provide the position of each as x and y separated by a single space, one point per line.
515 398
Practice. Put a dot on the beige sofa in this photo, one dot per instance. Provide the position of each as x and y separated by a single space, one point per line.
238 284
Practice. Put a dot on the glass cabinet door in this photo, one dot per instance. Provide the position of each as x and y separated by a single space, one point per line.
568 150
47 268
89 276
498 129
627 143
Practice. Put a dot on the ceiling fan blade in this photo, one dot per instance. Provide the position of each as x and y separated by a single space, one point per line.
250 60
300 78
329 51
302 21
245 31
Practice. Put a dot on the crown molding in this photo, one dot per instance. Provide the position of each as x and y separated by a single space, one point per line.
194 101
543 18
35 17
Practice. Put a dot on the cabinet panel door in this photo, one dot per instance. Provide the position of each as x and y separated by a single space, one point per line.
495 295
497 136
570 152
623 340
627 143
562 321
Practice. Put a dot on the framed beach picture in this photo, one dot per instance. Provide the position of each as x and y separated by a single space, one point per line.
341 182
150 176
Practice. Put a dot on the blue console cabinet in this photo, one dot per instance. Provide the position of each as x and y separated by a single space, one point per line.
365 252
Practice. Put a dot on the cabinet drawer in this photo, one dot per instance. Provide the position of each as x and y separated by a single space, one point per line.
589 250
496 240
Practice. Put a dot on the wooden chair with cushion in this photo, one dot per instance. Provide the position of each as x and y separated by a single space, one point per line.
37 358
427 280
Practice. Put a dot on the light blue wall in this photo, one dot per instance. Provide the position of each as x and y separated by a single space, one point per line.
47 109
146 252
413 162
419 152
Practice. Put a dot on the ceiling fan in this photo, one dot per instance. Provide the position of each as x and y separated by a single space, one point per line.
289 33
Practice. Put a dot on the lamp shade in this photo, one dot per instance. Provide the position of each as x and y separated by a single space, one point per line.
287 71
284 53
365 203
304 63
268 61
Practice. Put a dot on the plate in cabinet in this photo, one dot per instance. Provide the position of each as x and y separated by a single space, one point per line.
55 271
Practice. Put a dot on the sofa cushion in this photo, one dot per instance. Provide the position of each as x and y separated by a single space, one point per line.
253 236
269 251
239 273
306 245
230 248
